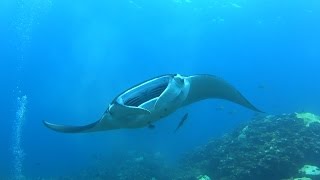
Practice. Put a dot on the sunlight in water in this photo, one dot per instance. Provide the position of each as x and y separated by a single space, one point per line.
18 152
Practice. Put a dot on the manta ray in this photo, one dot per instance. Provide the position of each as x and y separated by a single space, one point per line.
145 103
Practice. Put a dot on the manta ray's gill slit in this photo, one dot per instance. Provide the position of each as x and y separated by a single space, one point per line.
128 96
144 91
146 95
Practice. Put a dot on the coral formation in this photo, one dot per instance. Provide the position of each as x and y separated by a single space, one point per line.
310 170
203 177
303 178
271 147
308 118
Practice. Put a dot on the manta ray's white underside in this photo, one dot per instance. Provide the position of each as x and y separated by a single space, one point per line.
157 98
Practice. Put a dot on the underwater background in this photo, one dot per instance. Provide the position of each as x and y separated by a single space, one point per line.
64 61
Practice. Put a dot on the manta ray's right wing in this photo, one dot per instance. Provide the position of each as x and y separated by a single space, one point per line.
209 86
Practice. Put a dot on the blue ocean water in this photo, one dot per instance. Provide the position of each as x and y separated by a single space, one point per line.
70 59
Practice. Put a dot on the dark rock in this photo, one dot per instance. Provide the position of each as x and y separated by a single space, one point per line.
272 147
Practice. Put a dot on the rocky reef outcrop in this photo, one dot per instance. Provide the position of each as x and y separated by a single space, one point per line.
271 147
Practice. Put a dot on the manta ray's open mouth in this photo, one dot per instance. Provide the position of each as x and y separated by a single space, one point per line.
144 92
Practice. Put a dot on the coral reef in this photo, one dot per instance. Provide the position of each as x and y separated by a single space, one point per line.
308 118
271 147
276 147
309 171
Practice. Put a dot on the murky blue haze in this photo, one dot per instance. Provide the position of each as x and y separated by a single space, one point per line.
71 58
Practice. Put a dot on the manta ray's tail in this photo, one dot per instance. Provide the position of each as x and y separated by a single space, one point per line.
208 86
70 129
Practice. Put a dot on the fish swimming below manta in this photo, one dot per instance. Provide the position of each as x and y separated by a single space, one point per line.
152 100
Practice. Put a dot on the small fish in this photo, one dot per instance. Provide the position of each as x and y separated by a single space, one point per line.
151 126
219 108
235 5
37 164
232 112
261 86
183 119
